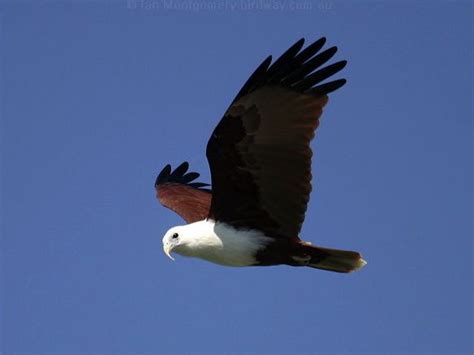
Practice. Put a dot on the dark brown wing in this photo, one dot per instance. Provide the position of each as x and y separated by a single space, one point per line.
259 153
176 191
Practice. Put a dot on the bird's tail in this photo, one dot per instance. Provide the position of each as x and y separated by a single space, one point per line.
333 259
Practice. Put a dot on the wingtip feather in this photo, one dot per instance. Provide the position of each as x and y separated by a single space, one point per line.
179 175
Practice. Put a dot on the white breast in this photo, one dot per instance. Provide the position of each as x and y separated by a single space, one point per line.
220 243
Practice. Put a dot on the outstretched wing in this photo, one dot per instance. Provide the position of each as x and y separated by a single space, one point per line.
176 191
259 153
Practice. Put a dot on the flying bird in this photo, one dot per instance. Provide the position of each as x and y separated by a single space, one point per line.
260 160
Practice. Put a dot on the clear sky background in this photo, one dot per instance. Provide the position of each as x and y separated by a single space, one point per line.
98 96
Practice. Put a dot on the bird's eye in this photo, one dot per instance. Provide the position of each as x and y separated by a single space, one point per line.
174 236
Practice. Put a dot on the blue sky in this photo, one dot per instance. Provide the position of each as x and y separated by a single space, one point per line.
98 96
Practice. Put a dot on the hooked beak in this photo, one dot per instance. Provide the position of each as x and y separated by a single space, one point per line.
167 248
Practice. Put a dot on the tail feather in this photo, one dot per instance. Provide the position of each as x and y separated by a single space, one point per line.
334 259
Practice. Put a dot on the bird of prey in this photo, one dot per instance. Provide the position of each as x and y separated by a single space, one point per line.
260 160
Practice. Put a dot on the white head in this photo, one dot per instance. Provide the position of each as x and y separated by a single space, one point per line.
190 239
174 238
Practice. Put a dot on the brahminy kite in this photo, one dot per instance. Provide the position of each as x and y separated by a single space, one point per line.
260 160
